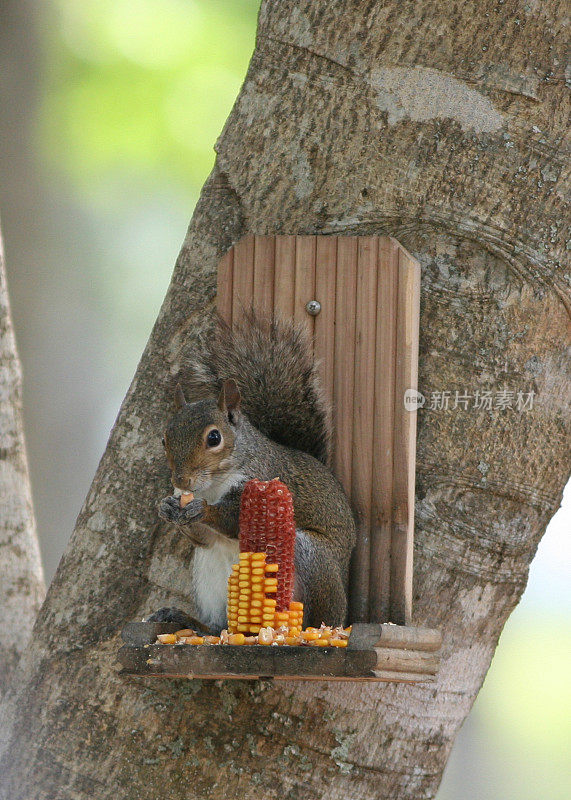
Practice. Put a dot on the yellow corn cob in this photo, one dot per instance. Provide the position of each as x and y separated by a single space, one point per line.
252 587
251 596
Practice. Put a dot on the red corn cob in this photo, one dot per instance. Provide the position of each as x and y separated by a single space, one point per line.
267 526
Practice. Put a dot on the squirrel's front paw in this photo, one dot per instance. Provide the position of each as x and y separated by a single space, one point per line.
192 512
170 511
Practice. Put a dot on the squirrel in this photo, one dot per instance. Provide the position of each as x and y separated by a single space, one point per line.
256 410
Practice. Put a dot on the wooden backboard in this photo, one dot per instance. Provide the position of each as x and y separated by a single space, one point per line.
366 339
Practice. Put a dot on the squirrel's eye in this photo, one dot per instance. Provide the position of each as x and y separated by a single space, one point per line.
163 442
214 438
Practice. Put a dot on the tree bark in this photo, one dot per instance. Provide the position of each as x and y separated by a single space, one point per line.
22 583
440 124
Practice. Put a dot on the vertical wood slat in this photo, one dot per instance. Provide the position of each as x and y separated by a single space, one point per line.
243 283
264 259
304 280
357 353
224 286
344 359
363 421
404 454
382 480
284 276
325 292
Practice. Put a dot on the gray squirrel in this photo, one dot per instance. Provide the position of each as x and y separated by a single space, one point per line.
256 410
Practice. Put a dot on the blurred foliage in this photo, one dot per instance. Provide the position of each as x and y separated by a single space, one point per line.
141 87
134 95
528 696
515 743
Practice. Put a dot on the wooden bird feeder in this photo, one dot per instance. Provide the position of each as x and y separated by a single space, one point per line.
359 297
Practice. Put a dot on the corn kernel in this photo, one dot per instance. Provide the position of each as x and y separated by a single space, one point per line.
338 642
236 638
265 636
310 635
166 638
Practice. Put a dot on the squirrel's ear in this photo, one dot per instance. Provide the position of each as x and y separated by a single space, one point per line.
229 399
179 398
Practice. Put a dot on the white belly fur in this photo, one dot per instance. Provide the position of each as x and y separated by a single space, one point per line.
211 570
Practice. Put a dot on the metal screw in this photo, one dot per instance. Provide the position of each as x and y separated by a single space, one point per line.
313 307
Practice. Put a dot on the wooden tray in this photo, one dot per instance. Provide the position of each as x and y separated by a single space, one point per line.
376 652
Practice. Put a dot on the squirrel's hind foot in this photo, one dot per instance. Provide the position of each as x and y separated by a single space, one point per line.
177 616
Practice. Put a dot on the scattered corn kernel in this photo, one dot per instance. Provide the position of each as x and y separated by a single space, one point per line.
167 638
338 642
266 636
236 638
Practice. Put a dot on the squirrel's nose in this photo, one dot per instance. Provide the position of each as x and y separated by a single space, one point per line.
180 482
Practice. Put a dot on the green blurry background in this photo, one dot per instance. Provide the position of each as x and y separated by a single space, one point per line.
109 110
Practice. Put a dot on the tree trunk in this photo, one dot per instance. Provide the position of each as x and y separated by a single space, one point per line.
22 583
439 124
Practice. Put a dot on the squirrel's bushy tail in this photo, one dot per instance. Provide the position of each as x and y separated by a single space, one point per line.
272 363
